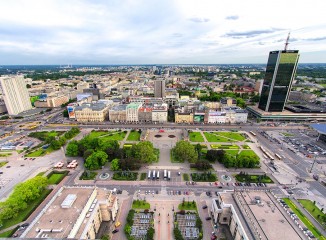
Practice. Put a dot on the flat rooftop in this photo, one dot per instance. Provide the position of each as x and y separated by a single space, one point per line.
56 217
274 224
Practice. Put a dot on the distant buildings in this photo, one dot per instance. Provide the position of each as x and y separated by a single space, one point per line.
280 72
51 102
159 88
15 94
75 213
91 112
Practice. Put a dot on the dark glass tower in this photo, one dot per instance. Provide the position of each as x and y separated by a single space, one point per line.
280 72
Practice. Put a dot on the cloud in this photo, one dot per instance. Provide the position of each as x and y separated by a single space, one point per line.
232 17
199 20
316 39
249 34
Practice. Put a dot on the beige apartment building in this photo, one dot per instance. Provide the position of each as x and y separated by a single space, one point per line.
183 115
118 113
74 212
92 112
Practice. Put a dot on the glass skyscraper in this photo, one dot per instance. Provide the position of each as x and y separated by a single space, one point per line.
280 72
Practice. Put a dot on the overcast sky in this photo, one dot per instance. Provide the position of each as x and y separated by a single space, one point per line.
159 32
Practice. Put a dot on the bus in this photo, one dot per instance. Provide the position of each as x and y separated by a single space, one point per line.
265 156
254 134
278 156
165 174
158 175
169 175
153 177
149 174
266 153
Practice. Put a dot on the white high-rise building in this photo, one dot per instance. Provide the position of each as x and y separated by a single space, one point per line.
15 94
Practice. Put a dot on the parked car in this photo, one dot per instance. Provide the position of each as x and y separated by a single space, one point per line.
205 206
115 231
208 218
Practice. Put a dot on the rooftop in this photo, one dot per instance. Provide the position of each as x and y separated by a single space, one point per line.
93 106
134 105
321 128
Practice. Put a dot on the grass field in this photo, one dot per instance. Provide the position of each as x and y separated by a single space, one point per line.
9 233
111 135
3 163
287 134
138 204
125 176
249 153
133 136
313 210
173 160
304 219
39 152
90 175
56 178
203 177
211 137
231 152
221 146
185 177
232 135
23 215
196 137
246 147
187 206
5 154
143 176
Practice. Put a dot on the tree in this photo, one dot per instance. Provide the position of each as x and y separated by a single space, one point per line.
144 151
96 160
150 234
55 144
87 153
28 86
215 155
72 149
115 164
184 151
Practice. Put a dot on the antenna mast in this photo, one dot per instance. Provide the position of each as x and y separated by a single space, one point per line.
287 42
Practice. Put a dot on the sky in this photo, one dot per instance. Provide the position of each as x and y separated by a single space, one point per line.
159 31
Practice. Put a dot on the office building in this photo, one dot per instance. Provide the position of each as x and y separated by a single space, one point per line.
159 88
132 112
75 213
280 72
15 94
91 112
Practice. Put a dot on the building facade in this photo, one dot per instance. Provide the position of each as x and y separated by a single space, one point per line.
280 72
160 113
91 112
118 113
159 88
15 94
132 112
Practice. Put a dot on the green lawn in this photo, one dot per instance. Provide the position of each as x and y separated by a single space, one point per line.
304 219
323 85
185 177
125 176
23 215
246 147
40 152
143 176
139 204
211 137
9 233
231 152
313 210
45 134
133 136
56 177
203 177
287 134
4 154
221 146
127 145
196 137
248 153
3 163
232 135
111 135
253 178
187 206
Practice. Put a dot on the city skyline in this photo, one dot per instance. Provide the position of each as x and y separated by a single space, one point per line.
158 32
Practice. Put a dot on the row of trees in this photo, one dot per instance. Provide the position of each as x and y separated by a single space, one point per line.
97 152
23 194
238 161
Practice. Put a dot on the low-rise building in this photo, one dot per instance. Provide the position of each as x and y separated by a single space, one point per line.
216 116
91 112
145 113
132 111
160 113
184 115
118 113
74 212
228 102
235 115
